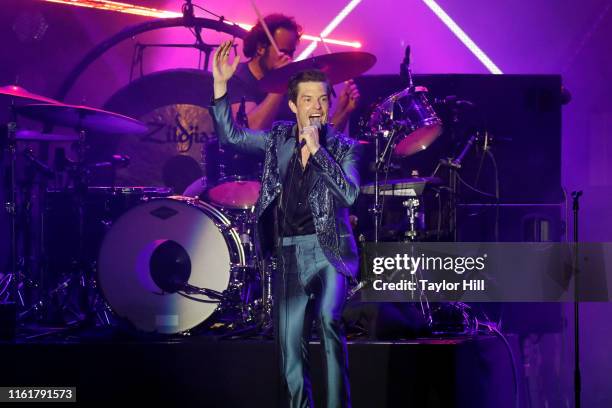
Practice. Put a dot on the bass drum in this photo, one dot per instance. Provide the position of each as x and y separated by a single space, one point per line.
156 252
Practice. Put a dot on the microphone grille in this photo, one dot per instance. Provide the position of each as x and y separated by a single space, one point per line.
316 121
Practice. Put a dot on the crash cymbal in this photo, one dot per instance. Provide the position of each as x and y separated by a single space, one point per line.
22 95
36 136
339 67
410 187
83 118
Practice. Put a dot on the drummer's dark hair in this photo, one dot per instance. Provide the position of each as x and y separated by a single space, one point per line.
311 75
257 36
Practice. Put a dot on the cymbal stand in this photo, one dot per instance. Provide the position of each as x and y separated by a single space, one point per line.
414 221
10 288
77 282
81 182
376 209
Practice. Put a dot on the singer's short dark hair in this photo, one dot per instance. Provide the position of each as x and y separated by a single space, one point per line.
257 36
311 75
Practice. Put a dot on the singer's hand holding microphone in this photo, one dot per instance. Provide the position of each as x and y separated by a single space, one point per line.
309 136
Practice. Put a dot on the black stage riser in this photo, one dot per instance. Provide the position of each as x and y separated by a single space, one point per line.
458 373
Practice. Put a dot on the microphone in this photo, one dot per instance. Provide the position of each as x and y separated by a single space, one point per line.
457 162
316 122
405 65
405 72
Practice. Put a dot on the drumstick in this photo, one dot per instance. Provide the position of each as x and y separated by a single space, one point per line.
333 91
265 27
325 44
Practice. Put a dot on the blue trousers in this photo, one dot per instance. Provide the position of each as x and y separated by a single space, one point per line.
306 287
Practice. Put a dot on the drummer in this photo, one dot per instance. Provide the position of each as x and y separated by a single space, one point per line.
260 109
263 108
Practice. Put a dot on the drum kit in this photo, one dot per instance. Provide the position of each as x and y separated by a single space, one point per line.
172 264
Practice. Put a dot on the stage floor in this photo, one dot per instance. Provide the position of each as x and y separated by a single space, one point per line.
198 370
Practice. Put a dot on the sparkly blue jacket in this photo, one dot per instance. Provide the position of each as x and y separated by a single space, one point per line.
334 189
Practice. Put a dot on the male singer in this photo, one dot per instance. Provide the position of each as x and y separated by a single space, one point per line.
310 179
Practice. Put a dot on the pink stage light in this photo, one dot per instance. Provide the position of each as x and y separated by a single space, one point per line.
462 36
327 30
152 12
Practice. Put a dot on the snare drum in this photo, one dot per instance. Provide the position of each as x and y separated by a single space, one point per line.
239 181
232 182
158 250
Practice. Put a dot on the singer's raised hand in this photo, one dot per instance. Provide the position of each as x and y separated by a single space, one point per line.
222 69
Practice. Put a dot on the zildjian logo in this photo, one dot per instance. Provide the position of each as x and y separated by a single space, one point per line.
175 134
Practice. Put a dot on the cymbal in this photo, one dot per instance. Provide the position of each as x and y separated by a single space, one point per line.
339 67
23 95
409 187
36 136
83 118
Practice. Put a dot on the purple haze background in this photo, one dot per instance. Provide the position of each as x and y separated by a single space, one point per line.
570 38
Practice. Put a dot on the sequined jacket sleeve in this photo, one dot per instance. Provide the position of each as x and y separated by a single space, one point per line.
230 134
342 176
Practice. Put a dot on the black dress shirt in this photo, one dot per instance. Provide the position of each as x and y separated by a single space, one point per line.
294 213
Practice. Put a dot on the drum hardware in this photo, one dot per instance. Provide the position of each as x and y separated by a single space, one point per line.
10 207
414 217
101 206
43 302
377 208
410 187
453 166
407 124
39 166
33 135
13 280
257 314
269 269
83 119
213 295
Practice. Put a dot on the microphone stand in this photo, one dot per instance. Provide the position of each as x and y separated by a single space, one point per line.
376 209
454 165
577 377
